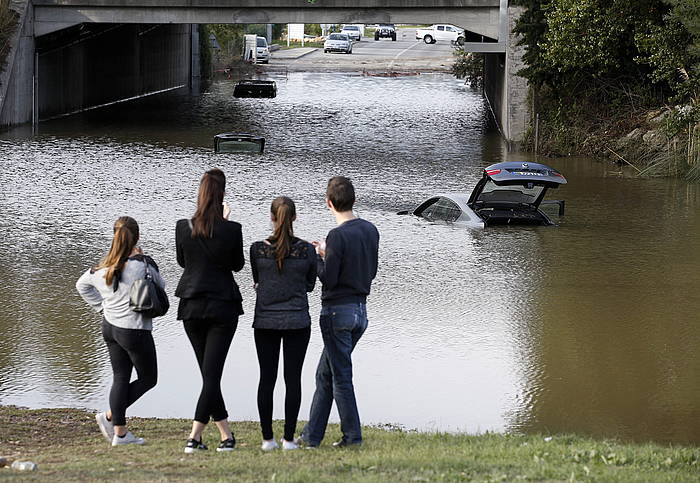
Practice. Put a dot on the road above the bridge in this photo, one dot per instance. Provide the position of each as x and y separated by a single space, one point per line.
405 54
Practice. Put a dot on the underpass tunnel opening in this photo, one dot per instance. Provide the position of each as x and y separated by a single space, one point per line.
88 66
95 64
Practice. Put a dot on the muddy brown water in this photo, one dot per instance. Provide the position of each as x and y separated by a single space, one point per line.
588 327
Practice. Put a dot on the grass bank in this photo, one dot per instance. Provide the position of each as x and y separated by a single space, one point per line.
67 446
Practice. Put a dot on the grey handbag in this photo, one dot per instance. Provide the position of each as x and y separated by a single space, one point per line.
147 297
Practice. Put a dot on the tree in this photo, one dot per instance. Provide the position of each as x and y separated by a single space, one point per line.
673 50
532 27
596 38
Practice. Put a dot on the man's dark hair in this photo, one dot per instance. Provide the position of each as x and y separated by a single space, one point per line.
341 193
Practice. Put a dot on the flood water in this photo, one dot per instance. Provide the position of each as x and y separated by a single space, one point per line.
588 327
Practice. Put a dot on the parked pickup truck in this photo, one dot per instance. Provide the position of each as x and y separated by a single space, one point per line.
442 32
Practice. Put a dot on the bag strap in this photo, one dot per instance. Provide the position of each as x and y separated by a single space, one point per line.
148 271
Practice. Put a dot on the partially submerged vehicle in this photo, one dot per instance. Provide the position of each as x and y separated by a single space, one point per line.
255 88
231 142
509 193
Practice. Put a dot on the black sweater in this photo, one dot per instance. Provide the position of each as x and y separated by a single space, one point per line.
281 301
350 264
208 262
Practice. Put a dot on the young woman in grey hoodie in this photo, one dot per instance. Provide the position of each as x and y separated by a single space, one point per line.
126 333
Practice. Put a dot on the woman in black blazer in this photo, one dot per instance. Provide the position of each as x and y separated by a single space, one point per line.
209 248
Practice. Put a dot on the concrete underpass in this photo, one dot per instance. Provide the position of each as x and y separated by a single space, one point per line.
71 55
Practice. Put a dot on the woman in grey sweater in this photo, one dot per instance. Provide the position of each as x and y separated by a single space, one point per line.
127 333
284 270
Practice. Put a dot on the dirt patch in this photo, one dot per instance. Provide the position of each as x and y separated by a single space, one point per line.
20 428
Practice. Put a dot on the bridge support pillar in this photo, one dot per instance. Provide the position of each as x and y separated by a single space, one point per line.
196 59
17 86
505 90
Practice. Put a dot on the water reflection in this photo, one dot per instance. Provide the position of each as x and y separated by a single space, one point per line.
585 327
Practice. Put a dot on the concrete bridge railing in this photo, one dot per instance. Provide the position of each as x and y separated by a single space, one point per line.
479 16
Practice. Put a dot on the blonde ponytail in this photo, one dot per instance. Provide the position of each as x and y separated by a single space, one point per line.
126 235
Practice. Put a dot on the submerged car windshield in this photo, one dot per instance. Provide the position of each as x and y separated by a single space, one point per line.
338 37
492 193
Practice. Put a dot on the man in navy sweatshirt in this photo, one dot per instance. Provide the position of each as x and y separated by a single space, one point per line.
347 264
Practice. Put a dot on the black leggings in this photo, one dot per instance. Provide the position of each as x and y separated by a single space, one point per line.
129 349
267 343
210 340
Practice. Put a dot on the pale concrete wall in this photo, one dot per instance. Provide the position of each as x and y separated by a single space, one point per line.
518 110
16 81
506 91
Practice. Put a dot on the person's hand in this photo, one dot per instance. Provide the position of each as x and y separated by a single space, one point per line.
227 210
320 248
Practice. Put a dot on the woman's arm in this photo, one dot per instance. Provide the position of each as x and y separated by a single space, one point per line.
311 271
88 291
238 259
155 273
178 248
253 263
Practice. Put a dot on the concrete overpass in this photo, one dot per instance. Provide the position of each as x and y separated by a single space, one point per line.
70 55
479 16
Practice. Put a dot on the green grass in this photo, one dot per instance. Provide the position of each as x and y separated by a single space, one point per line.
67 446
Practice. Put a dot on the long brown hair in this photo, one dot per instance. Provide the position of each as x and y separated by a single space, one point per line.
209 203
283 213
126 235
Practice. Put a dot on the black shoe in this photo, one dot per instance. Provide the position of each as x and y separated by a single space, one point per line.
227 445
343 443
304 443
194 446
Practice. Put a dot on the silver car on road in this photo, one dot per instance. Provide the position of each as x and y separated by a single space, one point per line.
338 43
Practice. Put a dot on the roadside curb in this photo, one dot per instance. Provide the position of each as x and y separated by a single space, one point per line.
308 50
304 54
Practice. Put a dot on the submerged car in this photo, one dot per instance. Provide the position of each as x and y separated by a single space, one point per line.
255 88
231 142
338 43
510 193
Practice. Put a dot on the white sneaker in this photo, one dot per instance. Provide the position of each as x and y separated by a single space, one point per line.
269 445
127 439
106 426
289 445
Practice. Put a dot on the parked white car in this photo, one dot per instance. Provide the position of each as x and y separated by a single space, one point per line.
442 32
352 31
338 43
263 50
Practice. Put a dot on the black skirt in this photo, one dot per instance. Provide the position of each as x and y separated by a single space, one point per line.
205 308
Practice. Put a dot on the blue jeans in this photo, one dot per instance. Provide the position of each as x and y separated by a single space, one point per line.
341 328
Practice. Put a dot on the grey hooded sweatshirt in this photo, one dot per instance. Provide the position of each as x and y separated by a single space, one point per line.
114 304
